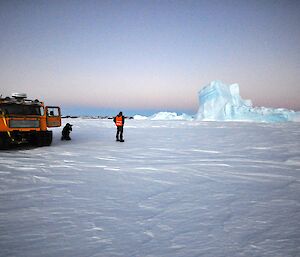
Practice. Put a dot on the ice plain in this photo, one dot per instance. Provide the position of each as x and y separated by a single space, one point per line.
174 188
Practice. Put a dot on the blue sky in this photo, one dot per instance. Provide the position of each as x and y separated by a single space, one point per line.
146 56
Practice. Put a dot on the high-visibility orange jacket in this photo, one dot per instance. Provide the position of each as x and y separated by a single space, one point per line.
119 121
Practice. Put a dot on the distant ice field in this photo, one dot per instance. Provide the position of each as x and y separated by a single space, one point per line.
173 188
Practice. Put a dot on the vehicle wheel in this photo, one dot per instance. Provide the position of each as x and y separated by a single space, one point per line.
47 138
4 141
35 139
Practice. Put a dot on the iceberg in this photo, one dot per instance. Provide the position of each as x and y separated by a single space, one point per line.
221 102
139 117
164 116
170 116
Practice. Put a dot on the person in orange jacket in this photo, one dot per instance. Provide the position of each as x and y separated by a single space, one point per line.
119 121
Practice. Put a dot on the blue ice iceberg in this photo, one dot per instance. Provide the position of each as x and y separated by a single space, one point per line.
220 102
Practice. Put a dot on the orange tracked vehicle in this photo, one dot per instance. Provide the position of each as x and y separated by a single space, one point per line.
23 120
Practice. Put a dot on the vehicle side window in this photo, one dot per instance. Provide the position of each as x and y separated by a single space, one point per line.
52 112
41 110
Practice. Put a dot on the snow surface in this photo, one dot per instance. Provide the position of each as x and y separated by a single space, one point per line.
174 188
220 102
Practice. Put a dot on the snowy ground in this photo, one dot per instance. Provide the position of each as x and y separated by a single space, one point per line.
174 188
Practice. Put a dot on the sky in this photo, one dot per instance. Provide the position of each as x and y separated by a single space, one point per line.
94 57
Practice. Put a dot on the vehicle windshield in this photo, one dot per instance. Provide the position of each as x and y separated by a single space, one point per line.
18 109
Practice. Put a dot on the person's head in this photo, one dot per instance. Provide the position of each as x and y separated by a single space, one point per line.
120 113
69 125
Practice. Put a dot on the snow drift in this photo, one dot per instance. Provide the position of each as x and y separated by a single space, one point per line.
220 102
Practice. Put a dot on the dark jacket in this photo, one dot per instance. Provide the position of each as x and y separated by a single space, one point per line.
67 129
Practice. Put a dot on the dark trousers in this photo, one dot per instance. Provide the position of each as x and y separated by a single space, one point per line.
66 135
119 132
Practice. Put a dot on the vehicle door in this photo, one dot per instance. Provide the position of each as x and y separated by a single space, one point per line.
53 116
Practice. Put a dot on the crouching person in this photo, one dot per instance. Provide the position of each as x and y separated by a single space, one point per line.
66 132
